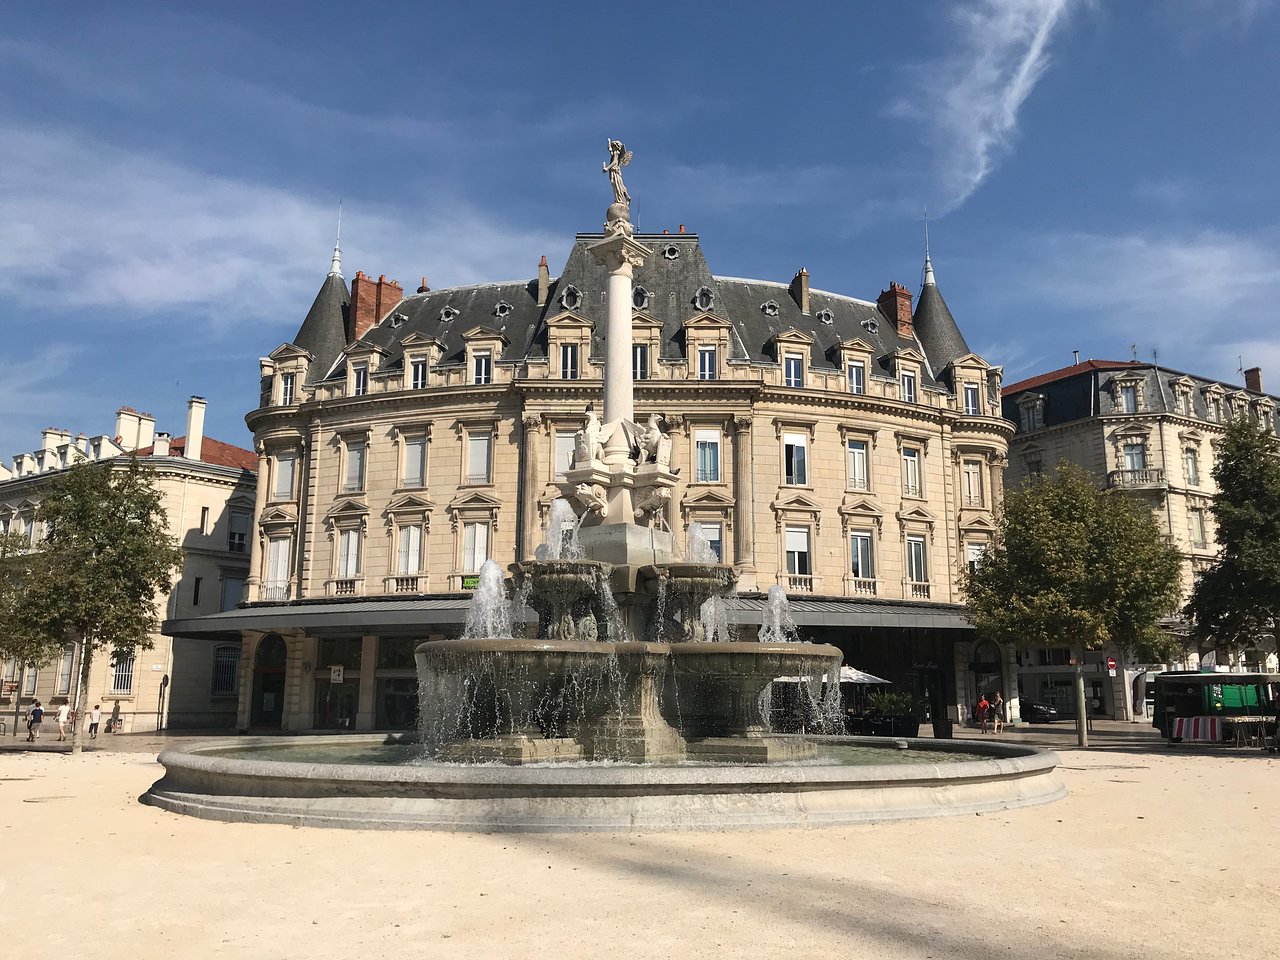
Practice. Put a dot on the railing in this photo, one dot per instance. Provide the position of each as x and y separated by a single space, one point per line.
800 583
916 590
859 483
973 500
863 586
402 583
1132 479
343 586
274 591
911 489
1199 544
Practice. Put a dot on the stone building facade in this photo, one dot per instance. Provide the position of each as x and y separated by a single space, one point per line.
207 488
850 450
1151 432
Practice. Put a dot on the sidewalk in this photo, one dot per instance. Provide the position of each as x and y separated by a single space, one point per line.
151 743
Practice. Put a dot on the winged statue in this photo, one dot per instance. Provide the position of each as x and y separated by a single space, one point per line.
619 157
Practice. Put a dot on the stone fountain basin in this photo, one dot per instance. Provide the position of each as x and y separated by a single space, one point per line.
200 782
746 658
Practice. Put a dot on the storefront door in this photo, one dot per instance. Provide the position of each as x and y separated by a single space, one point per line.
268 683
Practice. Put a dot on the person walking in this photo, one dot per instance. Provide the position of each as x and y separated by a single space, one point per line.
984 712
95 718
35 718
997 713
63 715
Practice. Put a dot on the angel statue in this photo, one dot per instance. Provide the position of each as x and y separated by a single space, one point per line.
619 157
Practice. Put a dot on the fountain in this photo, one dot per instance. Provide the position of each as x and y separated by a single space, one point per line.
631 706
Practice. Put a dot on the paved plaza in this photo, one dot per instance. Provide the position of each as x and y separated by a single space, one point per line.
1155 853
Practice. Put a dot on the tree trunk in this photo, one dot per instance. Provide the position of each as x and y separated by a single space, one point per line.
1082 719
82 688
17 695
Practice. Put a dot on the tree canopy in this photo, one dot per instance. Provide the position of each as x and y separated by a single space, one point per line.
106 558
1236 602
16 640
1076 566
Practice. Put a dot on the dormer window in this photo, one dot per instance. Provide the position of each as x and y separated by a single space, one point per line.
793 370
769 308
1031 411
857 374
908 381
1129 398
704 299
449 314
870 325
502 310
639 361
482 367
568 361
288 384
398 320
706 363
359 379
571 298
418 374
671 252
640 298
972 402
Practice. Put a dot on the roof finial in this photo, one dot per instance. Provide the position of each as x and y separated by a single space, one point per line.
336 268
928 265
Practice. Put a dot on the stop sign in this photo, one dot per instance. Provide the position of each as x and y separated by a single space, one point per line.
1111 663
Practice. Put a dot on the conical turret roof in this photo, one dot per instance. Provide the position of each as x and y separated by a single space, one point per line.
935 328
324 333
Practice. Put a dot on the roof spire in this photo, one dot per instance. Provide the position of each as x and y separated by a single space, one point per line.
928 264
336 267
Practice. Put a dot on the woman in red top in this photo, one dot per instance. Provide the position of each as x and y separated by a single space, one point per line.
984 710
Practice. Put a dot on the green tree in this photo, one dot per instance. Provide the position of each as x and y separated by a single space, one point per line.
106 560
16 641
1236 602
1077 566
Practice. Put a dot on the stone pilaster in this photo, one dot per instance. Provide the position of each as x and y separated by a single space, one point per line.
529 486
743 522
254 580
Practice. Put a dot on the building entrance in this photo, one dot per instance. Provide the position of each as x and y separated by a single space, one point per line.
268 683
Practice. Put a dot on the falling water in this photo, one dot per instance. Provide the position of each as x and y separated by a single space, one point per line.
714 615
776 625
488 613
697 547
562 532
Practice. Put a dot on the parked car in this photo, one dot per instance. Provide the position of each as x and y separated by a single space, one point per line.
1037 711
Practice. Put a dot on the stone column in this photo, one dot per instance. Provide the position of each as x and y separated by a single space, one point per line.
619 255
743 501
529 525
255 533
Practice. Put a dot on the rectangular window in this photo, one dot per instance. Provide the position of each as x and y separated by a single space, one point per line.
568 361
971 407
349 554
564 454
707 455
30 679
713 533
1197 527
122 676
972 476
974 554
861 563
63 687
204 521
1192 464
285 467
415 461
232 593
1215 409
239 532
911 471
29 531
1182 402
409 553
475 546
277 585
360 379
1035 469
482 367
1129 399
793 370
794 459
917 567
226 671
195 591
288 383
478 456
639 361
797 545
908 387
1135 456
354 479
418 375
857 374
857 457
706 363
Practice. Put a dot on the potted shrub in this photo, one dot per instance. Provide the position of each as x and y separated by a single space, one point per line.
895 713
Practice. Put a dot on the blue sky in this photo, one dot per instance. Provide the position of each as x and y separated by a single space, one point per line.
1097 175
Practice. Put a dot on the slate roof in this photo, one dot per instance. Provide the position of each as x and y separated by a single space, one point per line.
324 332
936 329
672 276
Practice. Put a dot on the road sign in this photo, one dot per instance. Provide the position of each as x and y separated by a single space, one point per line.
335 673
1111 663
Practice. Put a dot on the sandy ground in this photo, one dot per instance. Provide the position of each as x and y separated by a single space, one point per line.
1152 855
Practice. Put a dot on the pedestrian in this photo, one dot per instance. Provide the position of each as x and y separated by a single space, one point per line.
95 718
63 715
984 711
997 713
35 717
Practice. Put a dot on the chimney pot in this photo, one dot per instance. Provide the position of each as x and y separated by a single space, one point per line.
1253 379
423 288
682 228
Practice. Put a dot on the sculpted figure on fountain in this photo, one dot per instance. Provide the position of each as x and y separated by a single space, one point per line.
593 497
587 442
655 446
651 507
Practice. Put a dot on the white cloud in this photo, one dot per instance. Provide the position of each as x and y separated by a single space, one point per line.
971 98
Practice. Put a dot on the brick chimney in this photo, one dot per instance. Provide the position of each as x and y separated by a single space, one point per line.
800 290
371 301
895 304
544 281
1253 379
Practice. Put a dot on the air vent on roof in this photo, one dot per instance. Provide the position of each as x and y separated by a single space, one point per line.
571 298
704 299
449 313
769 308
671 252
640 298
825 316
398 320
502 309
870 324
